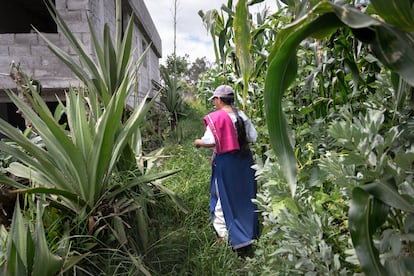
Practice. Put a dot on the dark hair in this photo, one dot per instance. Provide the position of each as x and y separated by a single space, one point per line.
240 127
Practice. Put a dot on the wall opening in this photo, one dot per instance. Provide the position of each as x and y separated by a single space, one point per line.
9 114
18 16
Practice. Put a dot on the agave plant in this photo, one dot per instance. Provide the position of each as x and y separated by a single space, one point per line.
27 252
75 167
171 96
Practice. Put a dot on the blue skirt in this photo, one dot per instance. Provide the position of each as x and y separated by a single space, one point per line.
236 187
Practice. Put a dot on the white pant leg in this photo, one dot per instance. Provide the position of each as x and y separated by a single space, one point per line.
218 222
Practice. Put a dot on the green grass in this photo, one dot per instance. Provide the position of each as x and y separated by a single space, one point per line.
187 244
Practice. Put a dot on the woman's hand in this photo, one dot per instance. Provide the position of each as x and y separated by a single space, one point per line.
198 143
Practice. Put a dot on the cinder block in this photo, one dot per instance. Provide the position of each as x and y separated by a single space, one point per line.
77 5
6 39
26 39
4 50
72 16
60 4
19 50
27 62
40 50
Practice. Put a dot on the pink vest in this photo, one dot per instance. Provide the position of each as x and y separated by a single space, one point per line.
223 130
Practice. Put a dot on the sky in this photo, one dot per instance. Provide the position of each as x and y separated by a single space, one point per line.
192 37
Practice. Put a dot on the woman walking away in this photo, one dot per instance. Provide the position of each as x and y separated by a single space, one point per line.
233 184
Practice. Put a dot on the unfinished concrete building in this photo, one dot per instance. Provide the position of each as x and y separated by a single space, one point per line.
19 43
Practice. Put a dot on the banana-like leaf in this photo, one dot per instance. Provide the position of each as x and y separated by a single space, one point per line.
366 214
81 132
81 160
62 149
111 61
243 44
72 64
124 50
77 46
130 129
101 151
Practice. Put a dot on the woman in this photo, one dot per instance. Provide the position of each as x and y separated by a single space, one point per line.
233 184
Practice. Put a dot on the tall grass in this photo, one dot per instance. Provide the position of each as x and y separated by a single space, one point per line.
187 244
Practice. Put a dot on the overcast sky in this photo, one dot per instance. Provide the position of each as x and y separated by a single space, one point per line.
192 37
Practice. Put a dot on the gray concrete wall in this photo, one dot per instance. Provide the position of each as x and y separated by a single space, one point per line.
38 61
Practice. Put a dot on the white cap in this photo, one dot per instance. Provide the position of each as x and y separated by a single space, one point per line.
223 91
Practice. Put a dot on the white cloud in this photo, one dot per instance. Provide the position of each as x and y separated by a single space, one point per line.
192 37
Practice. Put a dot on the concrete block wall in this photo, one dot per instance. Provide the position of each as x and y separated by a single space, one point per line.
36 59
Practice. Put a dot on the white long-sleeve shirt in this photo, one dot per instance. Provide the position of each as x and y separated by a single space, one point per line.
251 132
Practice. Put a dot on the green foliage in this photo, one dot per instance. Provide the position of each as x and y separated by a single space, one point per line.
330 59
398 14
243 44
87 171
384 40
306 235
27 251
172 96
176 65
236 51
187 240
179 81
369 159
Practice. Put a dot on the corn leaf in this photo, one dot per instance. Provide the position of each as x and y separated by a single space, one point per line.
366 214
399 13
243 44
388 194
393 47
281 73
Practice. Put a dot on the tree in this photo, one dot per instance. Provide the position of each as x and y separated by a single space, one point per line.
177 65
197 69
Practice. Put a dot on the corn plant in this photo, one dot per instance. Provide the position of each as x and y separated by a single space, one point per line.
392 45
